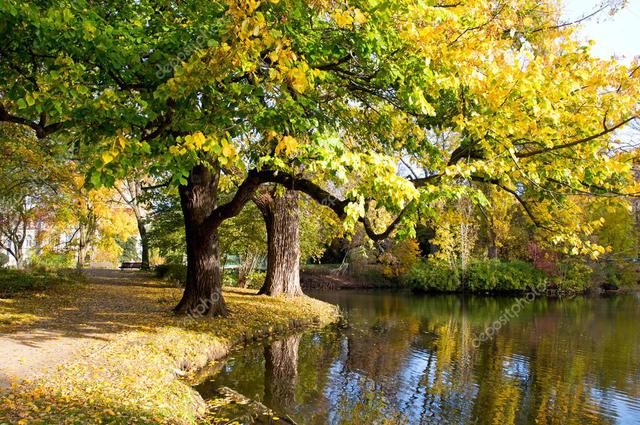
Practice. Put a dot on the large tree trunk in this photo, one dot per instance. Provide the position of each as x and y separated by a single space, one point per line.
281 373
203 291
280 213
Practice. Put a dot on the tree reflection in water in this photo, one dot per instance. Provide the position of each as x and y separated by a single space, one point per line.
281 373
408 359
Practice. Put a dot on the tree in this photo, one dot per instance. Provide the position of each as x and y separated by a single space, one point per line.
319 95
30 178
131 191
281 217
16 217
89 219
245 237
166 235
281 373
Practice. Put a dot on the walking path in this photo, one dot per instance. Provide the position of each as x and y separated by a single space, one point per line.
111 303
113 350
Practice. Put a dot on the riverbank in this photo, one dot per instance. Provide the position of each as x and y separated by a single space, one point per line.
112 351
334 279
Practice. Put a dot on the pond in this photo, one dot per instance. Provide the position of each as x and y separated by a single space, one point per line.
415 359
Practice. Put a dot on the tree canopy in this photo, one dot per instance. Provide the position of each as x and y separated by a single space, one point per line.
375 109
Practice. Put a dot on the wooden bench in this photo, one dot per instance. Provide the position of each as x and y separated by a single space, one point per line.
130 265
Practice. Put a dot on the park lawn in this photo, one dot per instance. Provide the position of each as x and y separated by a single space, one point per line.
136 356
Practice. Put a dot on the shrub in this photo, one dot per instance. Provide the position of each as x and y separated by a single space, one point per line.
429 276
400 258
54 260
622 274
173 272
36 279
230 277
255 280
507 276
572 276
480 276
375 277
4 260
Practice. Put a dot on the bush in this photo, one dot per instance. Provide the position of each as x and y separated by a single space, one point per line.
375 277
480 276
622 274
4 260
507 276
255 280
175 273
400 258
54 260
36 279
572 276
430 276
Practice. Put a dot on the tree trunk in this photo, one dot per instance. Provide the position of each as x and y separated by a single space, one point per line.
280 213
247 266
82 248
281 373
18 257
144 241
131 194
493 246
203 291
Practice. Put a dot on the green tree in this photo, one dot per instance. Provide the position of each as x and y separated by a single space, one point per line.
316 96
31 176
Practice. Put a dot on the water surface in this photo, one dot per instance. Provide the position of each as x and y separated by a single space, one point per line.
419 360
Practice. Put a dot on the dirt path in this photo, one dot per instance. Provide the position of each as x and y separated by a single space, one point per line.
63 324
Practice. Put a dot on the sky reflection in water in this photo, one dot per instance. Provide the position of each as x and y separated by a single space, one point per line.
411 359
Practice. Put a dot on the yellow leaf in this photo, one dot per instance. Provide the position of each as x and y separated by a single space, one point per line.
288 144
228 150
107 157
359 17
198 139
343 18
298 79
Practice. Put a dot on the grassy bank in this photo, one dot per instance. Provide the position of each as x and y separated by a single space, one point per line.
330 278
39 279
137 356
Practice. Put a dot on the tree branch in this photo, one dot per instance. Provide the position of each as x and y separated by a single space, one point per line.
606 131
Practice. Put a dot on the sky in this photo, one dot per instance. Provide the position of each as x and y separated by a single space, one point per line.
617 35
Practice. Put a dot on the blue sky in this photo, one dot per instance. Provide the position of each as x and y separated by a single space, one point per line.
617 35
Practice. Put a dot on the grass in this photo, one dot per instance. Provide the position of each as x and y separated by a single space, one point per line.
14 282
138 357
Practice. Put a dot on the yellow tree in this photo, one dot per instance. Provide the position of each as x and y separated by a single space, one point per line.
91 220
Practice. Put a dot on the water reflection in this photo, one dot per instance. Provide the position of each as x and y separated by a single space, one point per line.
408 359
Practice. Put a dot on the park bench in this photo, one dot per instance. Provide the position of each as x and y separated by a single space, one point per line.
130 265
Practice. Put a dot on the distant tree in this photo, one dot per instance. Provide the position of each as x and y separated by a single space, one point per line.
31 175
132 192
90 219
